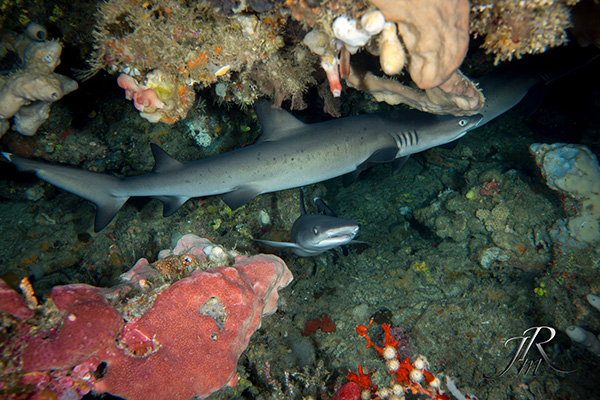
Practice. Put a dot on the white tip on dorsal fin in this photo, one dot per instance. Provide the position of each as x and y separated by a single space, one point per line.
276 123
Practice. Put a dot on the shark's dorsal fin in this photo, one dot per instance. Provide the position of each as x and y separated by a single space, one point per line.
276 123
162 161
324 207
302 206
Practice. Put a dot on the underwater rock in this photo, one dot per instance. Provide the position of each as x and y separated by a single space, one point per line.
501 220
573 170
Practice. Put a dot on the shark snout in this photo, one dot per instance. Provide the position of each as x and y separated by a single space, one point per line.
334 237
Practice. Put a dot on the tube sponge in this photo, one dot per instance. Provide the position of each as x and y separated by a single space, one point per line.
372 22
588 339
392 55
594 301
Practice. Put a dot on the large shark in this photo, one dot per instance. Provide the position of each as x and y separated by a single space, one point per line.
288 154
314 234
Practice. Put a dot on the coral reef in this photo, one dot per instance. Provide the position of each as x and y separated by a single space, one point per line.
512 28
410 378
430 37
27 91
573 170
497 214
77 341
168 48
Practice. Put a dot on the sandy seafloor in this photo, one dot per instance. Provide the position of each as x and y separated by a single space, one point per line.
423 270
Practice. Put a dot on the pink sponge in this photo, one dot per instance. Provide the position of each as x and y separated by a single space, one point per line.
144 99
12 303
186 344
89 325
199 327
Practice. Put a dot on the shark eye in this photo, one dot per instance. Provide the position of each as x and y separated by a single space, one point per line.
316 230
463 122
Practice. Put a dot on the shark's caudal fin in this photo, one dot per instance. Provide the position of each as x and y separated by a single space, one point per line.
98 188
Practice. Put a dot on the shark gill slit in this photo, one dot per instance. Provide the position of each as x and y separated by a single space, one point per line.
406 139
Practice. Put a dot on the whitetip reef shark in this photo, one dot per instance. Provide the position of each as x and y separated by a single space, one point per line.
314 234
292 154
289 154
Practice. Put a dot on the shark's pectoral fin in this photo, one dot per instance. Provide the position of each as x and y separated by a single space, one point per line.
380 156
534 98
350 178
359 242
387 154
398 164
162 161
279 245
106 209
171 204
237 198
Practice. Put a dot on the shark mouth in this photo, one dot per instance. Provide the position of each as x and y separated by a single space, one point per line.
338 237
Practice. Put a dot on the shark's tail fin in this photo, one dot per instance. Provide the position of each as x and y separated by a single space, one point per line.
102 190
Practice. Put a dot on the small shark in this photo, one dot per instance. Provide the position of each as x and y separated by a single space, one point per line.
313 234
289 154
